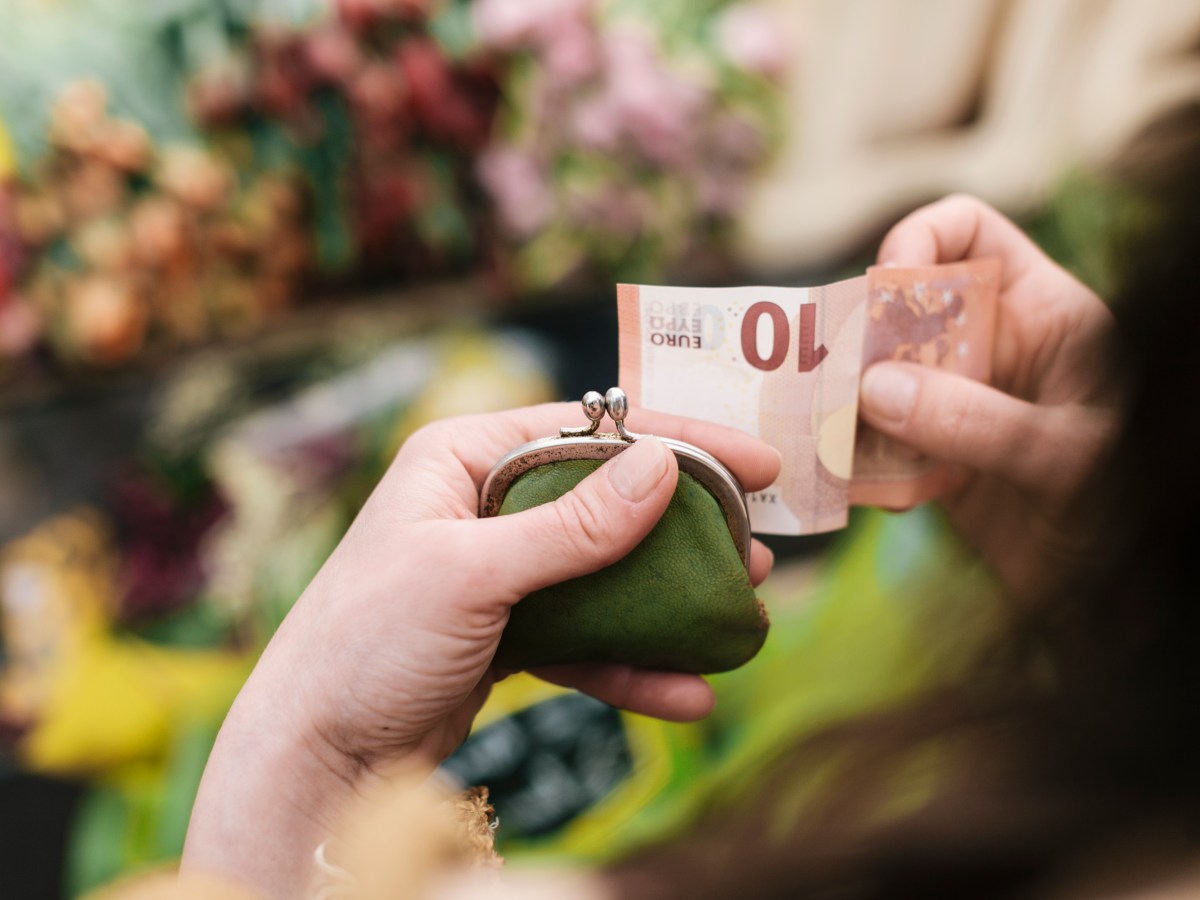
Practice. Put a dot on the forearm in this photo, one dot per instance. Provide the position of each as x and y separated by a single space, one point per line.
270 795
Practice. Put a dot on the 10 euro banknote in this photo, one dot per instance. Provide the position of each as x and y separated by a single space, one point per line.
784 364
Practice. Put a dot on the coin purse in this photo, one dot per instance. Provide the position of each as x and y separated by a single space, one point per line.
681 600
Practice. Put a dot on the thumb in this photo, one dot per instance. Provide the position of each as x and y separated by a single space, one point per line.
957 420
591 526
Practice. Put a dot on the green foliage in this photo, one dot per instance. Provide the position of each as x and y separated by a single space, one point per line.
139 819
1086 226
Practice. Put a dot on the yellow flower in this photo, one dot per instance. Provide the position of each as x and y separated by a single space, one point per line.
8 154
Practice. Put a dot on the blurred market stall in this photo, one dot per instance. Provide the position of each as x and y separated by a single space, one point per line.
248 246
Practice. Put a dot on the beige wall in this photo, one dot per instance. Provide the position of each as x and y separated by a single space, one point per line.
895 102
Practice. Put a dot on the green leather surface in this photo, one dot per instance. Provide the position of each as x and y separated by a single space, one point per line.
680 601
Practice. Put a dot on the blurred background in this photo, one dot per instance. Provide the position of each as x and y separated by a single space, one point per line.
248 246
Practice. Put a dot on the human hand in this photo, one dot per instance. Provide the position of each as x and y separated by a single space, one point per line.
1028 440
387 655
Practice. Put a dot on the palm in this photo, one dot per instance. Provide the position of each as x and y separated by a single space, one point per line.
1026 459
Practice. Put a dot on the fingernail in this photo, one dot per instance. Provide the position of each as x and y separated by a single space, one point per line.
888 392
635 472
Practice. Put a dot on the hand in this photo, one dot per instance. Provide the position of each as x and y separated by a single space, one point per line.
1030 439
387 655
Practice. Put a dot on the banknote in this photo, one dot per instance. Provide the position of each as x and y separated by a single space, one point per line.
941 316
784 364
780 363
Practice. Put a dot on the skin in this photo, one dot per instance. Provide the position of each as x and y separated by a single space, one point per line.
386 658
1027 441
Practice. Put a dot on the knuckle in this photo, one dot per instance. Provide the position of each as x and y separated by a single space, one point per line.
431 435
621 687
958 416
991 432
583 522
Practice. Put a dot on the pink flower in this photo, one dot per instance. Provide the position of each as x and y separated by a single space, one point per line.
750 37
509 24
658 109
20 327
519 188
596 124
332 54
612 210
734 140
720 193
571 51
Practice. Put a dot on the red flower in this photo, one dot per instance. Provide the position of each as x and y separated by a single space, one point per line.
333 55
455 106
160 539
384 202
285 77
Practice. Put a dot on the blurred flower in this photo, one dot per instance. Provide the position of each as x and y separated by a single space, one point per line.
520 189
749 35
627 149
78 116
596 124
92 188
658 109
20 326
453 106
105 245
641 104
284 75
607 209
365 147
160 538
105 319
13 252
379 92
719 197
159 231
332 54
571 50
735 141
39 217
358 14
363 15
124 145
385 199
219 93
196 178
514 24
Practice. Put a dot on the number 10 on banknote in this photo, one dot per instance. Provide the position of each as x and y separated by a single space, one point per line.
785 363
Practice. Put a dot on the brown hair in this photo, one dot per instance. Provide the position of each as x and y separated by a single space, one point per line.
1037 774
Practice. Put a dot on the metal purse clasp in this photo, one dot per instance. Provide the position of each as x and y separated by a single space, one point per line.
588 442
615 403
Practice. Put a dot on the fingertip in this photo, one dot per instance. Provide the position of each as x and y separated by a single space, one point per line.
888 393
689 699
761 470
775 463
671 696
762 561
911 242
643 469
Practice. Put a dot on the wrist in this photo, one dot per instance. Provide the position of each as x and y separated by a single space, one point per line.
273 788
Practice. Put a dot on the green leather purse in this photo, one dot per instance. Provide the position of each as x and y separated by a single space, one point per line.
679 601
